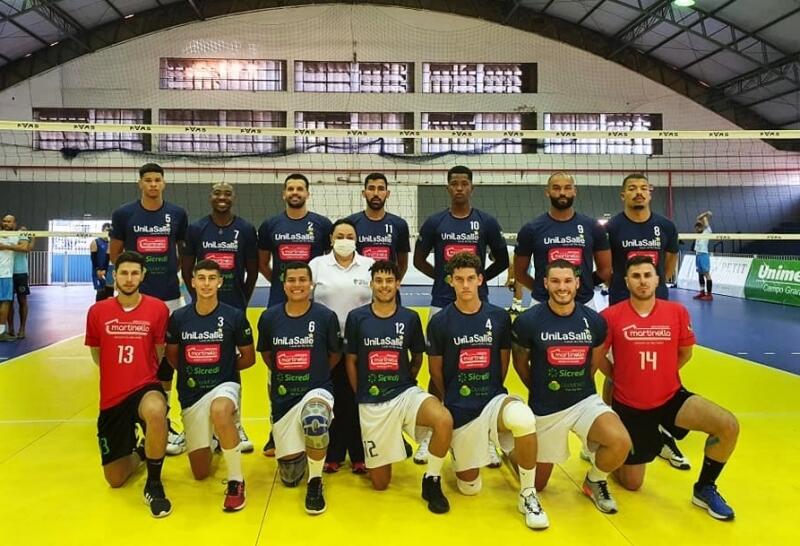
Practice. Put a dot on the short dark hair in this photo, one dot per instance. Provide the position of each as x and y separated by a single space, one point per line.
385 266
105 225
210 265
151 168
561 264
375 176
459 169
129 256
639 260
634 176
296 265
295 176
463 260
345 221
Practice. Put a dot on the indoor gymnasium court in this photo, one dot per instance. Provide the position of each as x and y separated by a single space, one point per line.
701 97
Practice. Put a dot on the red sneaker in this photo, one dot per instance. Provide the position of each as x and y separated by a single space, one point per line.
699 296
359 468
234 497
707 297
331 468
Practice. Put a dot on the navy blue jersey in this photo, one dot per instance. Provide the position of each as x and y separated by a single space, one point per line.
470 348
102 259
383 346
298 350
381 239
231 246
575 240
560 355
654 237
447 235
154 234
291 240
207 355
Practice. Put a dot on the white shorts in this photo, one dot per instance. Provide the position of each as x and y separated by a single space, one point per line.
174 305
470 444
197 424
553 430
382 425
288 431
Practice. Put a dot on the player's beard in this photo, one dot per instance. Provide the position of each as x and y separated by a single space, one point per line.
295 204
557 203
124 293
375 203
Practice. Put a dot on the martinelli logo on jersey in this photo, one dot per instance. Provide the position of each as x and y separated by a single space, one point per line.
384 361
377 252
647 334
474 358
152 245
566 355
294 360
452 250
294 252
226 260
203 354
136 328
571 254
652 254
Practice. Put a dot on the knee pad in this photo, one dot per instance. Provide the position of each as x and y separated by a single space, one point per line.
165 371
470 488
292 471
316 419
519 419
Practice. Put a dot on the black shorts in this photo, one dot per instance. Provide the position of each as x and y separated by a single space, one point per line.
116 426
21 287
642 426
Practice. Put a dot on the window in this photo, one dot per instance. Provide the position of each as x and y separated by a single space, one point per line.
75 140
603 122
479 78
198 142
223 74
334 77
353 120
464 121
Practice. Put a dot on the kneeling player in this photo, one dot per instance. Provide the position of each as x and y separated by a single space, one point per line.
203 340
300 342
469 345
553 348
379 338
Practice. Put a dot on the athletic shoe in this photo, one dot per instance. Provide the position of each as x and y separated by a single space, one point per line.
176 442
331 467
531 508
360 468
245 444
5 336
673 455
139 450
707 496
598 492
234 497
707 297
421 455
155 498
494 458
315 501
432 492
269 447
699 296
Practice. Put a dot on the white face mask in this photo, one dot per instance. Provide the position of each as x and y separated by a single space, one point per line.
344 247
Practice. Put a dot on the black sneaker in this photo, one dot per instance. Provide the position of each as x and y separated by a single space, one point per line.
315 501
432 492
139 450
269 447
155 498
408 448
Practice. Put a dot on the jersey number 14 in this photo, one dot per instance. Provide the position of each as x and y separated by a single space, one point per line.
648 357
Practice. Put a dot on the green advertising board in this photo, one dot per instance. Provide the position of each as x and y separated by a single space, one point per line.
776 281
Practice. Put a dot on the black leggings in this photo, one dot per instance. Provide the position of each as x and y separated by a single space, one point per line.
345 429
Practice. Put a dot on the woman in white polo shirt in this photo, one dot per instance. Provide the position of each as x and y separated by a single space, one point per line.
341 282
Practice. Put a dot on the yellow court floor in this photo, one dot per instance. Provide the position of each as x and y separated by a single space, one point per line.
52 489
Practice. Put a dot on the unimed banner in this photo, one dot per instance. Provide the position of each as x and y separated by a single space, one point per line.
777 281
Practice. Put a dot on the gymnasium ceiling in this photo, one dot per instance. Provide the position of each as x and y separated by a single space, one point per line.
739 58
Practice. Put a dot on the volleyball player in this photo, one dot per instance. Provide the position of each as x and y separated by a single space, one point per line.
299 341
385 344
154 228
702 257
126 337
469 346
459 228
98 252
554 344
230 241
208 343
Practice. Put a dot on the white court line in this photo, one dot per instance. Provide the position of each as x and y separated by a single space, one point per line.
89 421
794 353
742 353
769 353
41 349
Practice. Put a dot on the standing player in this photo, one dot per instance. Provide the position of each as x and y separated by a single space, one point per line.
469 345
126 338
702 257
20 281
209 342
652 340
562 233
381 235
230 241
299 341
460 228
154 228
8 246
554 346
380 336
98 251
638 231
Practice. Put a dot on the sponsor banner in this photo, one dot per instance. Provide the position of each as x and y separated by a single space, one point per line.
776 281
474 358
383 361
152 245
729 274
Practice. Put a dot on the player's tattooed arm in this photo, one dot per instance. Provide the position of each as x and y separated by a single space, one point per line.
521 359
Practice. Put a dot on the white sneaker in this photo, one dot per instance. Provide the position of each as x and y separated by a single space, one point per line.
176 443
245 444
494 458
421 455
531 508
598 492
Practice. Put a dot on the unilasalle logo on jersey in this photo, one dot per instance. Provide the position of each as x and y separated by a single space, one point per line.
293 360
203 354
226 260
571 254
383 361
122 328
647 334
567 355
